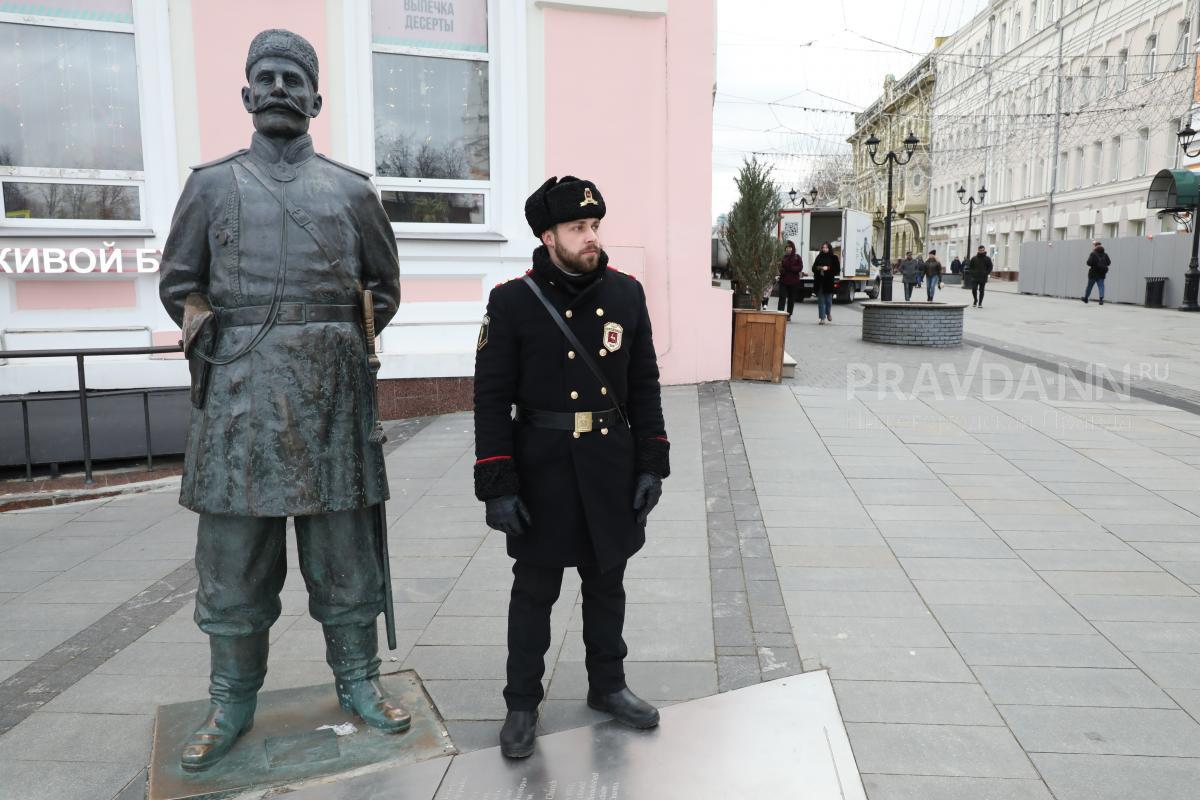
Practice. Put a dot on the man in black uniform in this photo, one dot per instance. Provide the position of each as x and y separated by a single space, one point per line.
269 251
572 478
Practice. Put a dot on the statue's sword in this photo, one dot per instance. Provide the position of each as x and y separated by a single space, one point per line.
377 436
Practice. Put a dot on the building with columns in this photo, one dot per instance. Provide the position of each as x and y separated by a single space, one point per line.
903 107
1064 110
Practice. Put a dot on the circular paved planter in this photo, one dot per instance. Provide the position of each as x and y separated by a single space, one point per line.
913 323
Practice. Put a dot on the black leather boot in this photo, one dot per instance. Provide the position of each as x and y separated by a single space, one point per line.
239 665
626 708
353 653
518 734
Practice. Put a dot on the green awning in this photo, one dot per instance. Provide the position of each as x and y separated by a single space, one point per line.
1174 188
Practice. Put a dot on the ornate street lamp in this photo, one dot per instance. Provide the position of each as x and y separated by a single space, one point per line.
1191 278
891 159
970 202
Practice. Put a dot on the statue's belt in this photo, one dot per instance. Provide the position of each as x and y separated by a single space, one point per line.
289 314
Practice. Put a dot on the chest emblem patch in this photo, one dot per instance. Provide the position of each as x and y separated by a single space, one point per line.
614 334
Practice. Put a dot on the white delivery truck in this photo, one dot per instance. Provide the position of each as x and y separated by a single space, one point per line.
849 232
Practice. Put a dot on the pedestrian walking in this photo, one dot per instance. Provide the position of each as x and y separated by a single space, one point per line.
933 275
791 270
826 268
910 272
979 268
572 479
956 266
1098 263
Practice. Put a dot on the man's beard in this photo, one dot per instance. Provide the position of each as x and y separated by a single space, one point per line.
581 263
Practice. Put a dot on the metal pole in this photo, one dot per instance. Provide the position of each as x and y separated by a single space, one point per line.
146 412
83 419
970 219
28 451
887 220
1057 133
1191 278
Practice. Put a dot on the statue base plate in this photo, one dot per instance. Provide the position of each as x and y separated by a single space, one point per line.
294 744
783 738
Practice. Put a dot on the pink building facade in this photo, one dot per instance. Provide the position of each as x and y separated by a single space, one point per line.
457 108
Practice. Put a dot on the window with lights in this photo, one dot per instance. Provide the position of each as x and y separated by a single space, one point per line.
432 122
70 118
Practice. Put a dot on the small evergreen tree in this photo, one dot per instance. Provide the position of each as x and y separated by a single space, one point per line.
754 251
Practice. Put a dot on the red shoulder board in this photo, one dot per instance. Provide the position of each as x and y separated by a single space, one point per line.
622 272
510 280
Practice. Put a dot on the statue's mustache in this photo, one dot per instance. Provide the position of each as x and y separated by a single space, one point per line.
275 102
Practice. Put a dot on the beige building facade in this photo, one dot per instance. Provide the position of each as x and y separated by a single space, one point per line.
903 107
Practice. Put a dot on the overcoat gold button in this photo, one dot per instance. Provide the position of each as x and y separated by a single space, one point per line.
569 314
603 390
603 352
570 354
599 312
575 434
604 431
574 395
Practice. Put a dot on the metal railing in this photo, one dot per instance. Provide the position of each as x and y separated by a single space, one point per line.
80 356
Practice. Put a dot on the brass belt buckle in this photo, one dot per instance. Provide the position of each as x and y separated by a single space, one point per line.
583 422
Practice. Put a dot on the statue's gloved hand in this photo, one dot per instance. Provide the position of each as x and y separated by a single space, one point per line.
646 495
508 514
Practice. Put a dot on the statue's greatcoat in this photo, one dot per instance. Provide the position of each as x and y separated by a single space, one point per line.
284 430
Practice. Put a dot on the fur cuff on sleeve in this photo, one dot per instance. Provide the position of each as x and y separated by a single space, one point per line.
654 456
495 477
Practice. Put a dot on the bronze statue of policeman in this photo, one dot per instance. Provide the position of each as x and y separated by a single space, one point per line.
270 251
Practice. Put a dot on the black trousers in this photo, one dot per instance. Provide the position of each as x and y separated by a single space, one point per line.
790 295
977 292
241 563
533 594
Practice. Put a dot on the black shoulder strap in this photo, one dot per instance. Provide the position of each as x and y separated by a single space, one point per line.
580 350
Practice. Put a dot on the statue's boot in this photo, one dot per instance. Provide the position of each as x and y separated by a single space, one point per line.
239 665
353 653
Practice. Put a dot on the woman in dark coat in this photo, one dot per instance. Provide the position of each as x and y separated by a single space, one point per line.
791 269
826 268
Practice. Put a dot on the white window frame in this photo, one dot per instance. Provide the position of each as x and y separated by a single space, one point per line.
1151 57
135 178
1182 48
1122 70
489 188
1143 151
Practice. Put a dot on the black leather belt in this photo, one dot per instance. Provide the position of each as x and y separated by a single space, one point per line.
578 422
289 314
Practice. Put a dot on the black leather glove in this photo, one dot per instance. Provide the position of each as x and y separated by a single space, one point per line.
508 514
646 495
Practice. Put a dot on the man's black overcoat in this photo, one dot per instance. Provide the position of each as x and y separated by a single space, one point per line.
579 490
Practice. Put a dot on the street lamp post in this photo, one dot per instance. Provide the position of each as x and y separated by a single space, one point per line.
891 159
970 203
1191 278
804 201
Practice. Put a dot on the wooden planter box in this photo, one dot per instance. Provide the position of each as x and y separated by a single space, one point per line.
758 345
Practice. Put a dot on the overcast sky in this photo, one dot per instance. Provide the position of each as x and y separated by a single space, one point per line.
822 54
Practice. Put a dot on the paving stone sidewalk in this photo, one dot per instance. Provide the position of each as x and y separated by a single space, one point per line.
998 567
1000 574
